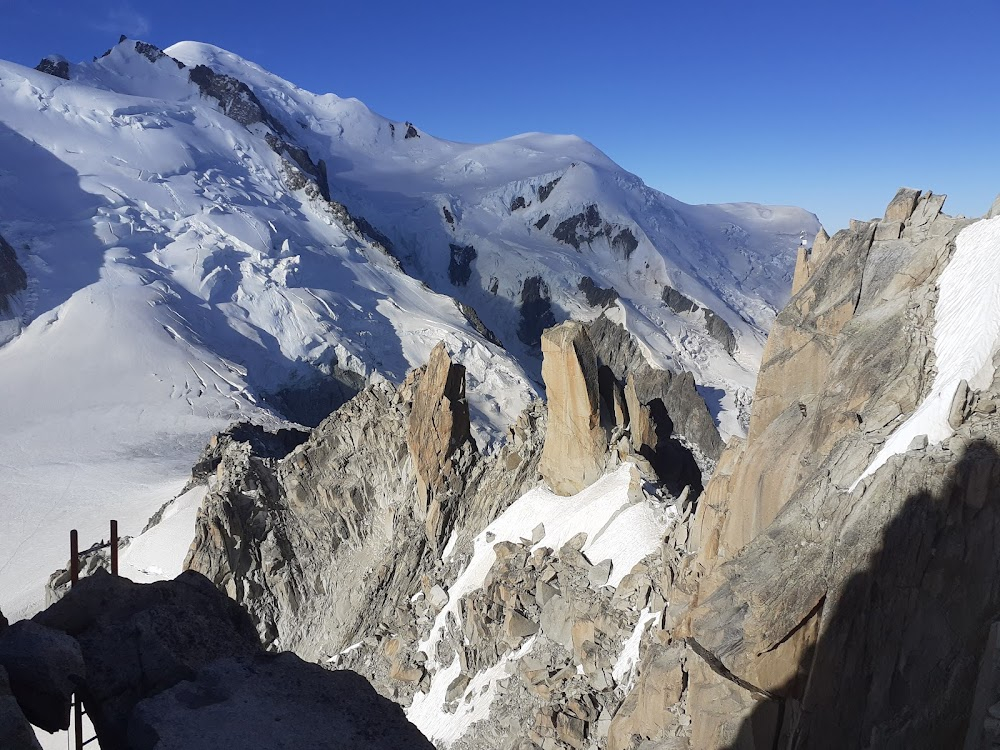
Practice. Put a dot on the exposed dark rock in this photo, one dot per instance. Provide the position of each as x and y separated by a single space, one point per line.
473 317
268 702
460 263
517 203
719 330
582 227
677 301
261 441
625 241
15 731
13 279
138 640
372 234
153 53
44 667
411 131
587 226
301 159
540 224
54 66
448 216
597 296
176 664
536 311
684 410
3 623
544 191
235 98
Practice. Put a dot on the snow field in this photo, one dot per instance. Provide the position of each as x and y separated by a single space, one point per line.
966 336
621 525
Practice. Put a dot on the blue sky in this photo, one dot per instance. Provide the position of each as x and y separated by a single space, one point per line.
830 106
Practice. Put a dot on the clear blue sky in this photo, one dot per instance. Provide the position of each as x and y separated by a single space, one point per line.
830 106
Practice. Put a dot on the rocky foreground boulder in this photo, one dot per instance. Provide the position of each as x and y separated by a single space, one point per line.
824 604
176 664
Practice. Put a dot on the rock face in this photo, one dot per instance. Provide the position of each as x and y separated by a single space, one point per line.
439 438
271 698
13 279
816 611
598 383
327 544
536 310
460 263
176 664
54 65
15 731
577 441
44 667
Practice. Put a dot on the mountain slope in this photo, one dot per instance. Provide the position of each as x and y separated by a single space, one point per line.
184 268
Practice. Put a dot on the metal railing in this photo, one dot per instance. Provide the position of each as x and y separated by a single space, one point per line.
78 743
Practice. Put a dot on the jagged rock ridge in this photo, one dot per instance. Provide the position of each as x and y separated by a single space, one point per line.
815 610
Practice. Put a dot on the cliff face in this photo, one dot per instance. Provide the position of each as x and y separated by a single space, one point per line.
842 577
326 543
13 281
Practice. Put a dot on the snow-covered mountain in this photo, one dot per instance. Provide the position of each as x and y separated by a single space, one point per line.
202 241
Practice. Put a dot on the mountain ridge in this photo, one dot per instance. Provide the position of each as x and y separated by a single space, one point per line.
185 270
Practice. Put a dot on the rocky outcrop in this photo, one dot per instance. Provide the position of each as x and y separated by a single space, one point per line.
471 315
720 330
677 301
577 442
325 546
816 611
260 441
44 667
439 439
271 701
54 65
176 664
599 385
15 730
13 279
597 296
585 227
460 263
544 191
536 311
673 406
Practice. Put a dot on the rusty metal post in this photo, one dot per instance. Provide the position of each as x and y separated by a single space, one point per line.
78 723
74 558
114 548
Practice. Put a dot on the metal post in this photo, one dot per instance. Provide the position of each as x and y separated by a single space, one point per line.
74 558
114 548
78 722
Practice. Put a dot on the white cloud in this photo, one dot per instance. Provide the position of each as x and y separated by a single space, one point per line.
124 19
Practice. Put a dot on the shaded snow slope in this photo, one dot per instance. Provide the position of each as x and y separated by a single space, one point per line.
966 336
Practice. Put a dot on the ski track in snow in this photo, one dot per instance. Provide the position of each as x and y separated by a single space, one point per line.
966 336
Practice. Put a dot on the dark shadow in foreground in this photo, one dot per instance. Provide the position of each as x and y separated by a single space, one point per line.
898 656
